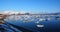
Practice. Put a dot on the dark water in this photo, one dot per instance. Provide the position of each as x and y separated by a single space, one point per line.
52 25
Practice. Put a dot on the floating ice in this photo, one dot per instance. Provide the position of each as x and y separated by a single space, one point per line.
40 25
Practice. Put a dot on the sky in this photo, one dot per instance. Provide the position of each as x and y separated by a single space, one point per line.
35 6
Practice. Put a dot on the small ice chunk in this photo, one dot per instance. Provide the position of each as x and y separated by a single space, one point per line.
40 25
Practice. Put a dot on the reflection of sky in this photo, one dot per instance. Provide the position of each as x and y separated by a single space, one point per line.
31 5
53 23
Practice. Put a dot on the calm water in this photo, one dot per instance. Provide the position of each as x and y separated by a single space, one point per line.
49 25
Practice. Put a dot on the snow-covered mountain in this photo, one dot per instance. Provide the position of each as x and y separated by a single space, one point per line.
22 12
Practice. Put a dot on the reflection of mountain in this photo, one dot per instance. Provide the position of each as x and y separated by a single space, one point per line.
52 13
57 13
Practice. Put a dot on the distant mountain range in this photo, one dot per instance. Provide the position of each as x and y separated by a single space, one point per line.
14 12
